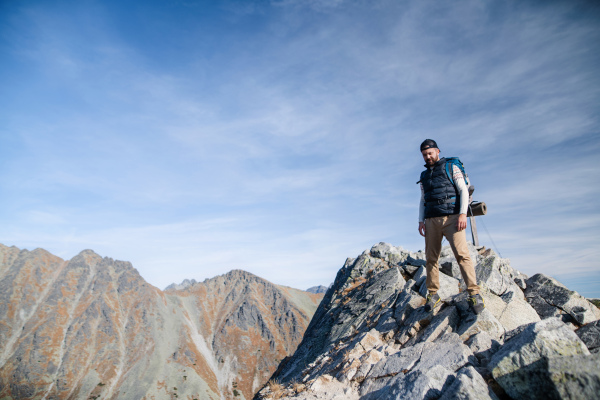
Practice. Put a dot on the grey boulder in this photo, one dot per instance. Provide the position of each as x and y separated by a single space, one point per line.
550 298
521 365
468 385
590 335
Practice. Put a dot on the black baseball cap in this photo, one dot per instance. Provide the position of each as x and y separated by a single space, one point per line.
429 144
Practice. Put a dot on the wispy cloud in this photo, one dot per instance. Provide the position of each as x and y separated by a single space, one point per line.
284 135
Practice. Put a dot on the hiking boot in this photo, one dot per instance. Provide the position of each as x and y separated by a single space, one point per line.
476 302
433 300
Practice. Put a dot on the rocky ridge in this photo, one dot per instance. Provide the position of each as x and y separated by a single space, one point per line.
371 338
91 328
186 283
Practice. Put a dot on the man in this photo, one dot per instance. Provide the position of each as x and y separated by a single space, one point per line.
443 213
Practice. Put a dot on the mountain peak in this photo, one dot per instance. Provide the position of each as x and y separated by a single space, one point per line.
233 275
317 289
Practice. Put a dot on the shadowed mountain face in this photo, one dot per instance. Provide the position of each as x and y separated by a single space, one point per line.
92 327
250 324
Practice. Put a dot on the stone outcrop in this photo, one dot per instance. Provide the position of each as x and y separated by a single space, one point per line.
371 338
590 335
552 299
92 328
521 365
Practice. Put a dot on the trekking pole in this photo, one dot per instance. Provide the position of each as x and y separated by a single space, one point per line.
473 227
474 231
472 219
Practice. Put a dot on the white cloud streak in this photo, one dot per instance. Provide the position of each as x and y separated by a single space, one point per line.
294 145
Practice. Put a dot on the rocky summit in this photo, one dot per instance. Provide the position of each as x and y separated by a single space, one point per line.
317 289
92 328
371 337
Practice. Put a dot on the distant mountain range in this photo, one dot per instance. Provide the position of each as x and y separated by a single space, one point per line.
184 284
92 327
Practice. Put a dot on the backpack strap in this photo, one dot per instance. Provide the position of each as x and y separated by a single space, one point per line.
450 162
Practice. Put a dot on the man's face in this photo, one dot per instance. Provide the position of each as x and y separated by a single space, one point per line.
431 156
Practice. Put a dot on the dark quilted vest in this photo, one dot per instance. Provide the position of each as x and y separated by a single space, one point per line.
438 188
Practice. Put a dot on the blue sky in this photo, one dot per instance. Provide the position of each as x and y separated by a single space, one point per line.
280 137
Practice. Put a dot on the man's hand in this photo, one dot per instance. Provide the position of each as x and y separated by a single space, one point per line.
462 222
422 228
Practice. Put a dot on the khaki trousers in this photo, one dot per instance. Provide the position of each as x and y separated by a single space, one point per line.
435 229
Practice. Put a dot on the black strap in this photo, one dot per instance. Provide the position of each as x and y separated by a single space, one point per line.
441 201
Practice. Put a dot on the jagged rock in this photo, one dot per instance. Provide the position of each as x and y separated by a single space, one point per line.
385 346
559 377
371 285
387 322
574 377
450 267
518 365
511 312
550 298
369 297
350 360
471 324
419 277
448 286
445 321
421 384
407 301
415 262
327 388
411 316
366 341
388 253
366 363
468 385
497 276
590 335
520 281
420 371
483 347
324 387
412 269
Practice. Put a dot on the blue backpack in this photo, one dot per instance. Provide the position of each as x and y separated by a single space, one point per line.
450 163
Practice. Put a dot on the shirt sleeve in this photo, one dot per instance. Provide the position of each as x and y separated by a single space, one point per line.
422 205
461 187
